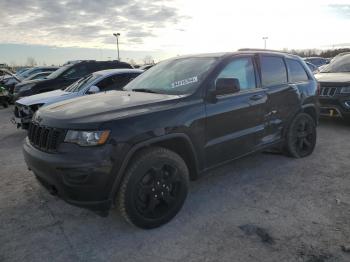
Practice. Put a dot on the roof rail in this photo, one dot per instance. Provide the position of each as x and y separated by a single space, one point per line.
260 49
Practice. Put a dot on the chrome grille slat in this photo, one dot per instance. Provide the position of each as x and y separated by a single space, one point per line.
328 91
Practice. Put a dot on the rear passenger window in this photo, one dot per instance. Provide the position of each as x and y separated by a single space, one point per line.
243 70
297 72
273 71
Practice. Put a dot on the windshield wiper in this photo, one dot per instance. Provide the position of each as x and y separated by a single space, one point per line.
145 90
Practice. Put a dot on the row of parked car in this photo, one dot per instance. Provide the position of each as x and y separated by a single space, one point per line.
29 81
138 145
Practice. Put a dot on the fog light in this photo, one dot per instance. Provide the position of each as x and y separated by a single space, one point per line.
347 104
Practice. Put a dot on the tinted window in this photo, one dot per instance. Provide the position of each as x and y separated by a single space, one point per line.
273 71
243 70
296 71
116 82
59 71
76 72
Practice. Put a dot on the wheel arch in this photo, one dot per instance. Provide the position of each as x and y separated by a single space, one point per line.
312 111
309 109
179 143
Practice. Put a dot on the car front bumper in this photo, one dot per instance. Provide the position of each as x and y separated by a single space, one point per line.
80 176
336 106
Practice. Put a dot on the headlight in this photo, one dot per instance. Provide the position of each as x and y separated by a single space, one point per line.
27 110
36 107
25 87
87 138
345 90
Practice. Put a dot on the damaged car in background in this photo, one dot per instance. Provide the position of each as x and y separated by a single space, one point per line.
101 81
10 82
335 88
64 76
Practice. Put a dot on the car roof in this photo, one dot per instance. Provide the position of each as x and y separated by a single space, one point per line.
314 57
43 67
242 51
109 72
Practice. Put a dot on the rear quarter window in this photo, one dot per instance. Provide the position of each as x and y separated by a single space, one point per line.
296 71
273 71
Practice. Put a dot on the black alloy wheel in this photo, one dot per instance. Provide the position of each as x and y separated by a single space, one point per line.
301 136
158 190
154 188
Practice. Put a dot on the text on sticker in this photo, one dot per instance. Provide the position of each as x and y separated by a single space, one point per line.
184 82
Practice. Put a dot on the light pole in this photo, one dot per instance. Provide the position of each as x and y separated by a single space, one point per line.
265 38
117 36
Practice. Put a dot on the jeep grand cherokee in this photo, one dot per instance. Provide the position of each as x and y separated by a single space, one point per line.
335 88
139 148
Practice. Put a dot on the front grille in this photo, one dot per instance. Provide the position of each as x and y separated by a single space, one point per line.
45 138
328 91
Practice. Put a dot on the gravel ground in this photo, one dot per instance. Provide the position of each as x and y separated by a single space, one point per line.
264 207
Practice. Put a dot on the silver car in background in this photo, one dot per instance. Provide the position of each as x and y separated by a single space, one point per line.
101 81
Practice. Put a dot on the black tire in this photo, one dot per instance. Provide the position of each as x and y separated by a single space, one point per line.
301 136
154 188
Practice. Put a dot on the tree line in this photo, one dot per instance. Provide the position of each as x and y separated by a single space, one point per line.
316 52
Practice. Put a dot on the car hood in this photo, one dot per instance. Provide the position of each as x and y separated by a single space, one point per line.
7 77
46 98
92 110
333 77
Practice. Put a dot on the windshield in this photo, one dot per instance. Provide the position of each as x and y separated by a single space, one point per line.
339 65
173 77
58 72
82 83
27 73
38 76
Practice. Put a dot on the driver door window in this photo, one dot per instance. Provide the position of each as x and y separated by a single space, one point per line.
242 69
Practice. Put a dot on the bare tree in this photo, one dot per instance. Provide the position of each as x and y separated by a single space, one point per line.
13 64
132 62
31 62
148 60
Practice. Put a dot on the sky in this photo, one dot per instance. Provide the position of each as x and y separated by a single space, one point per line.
53 32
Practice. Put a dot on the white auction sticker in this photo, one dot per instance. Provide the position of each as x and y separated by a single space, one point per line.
184 82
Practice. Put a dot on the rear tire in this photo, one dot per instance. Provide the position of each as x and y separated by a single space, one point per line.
301 136
154 188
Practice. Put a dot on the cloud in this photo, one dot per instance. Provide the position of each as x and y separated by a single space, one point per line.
340 10
79 22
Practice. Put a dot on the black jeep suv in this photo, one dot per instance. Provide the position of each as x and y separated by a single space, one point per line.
140 147
335 88
64 76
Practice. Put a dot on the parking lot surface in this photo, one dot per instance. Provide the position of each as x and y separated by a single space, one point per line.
265 207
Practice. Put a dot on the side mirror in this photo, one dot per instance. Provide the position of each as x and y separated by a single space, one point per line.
225 86
93 90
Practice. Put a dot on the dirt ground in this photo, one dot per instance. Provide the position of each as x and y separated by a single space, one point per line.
263 207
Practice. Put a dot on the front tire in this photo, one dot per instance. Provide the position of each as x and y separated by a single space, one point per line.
301 136
154 188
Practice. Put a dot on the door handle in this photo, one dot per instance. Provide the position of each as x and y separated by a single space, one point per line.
256 97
